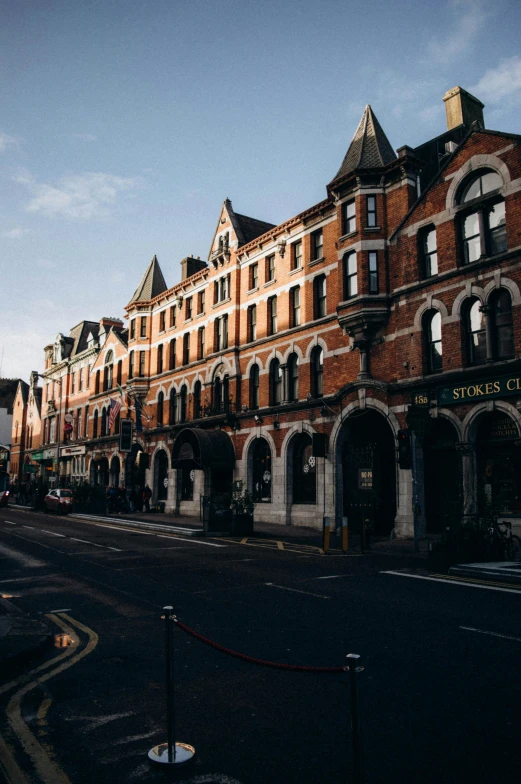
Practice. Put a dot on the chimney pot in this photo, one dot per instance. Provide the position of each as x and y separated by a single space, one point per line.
462 108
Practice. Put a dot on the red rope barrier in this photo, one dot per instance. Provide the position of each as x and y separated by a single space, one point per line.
252 659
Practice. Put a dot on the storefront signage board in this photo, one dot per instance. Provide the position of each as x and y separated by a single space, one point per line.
479 390
69 451
49 454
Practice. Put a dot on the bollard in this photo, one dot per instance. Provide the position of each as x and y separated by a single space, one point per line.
326 534
170 753
345 535
354 668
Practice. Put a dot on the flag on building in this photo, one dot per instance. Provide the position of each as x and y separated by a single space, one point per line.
114 409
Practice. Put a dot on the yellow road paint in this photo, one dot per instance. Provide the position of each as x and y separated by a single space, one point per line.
280 545
41 716
46 768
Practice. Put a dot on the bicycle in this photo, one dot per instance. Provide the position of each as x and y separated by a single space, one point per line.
502 542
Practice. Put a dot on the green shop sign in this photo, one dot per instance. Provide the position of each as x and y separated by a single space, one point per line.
479 390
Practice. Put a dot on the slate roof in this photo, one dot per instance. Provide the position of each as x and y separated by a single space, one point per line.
152 283
369 149
80 333
8 387
250 228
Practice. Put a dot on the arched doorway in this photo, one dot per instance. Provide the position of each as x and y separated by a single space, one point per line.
210 452
99 472
498 464
366 465
301 471
115 469
161 475
136 466
442 476
259 470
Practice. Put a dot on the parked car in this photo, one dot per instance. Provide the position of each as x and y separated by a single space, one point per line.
4 497
59 501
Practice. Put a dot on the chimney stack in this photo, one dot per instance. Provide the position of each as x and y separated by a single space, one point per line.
462 108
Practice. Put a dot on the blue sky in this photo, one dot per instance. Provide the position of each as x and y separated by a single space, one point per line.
126 123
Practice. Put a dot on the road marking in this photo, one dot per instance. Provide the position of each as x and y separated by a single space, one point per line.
492 634
52 533
333 576
121 528
29 526
47 769
192 541
295 590
452 582
11 772
103 546
280 546
10 523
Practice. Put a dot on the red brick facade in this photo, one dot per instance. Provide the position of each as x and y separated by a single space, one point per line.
327 324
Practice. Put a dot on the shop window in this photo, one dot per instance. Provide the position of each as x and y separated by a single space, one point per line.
483 225
261 470
475 332
317 372
275 383
292 369
350 275
254 387
187 485
502 324
304 472
432 341
160 405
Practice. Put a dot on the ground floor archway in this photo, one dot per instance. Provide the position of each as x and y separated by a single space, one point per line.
443 489
115 470
366 472
160 490
498 464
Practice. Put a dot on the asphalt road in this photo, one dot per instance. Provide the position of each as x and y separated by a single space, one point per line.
440 691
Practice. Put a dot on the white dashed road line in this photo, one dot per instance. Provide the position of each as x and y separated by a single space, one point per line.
296 590
452 582
491 634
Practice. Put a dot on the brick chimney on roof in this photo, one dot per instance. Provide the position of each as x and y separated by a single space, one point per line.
462 108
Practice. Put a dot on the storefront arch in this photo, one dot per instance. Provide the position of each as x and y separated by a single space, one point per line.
365 458
136 466
494 435
210 451
99 471
115 470
442 476
260 471
160 481
301 475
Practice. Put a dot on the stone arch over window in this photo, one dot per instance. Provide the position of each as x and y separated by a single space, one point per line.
474 331
315 342
223 365
432 339
254 386
476 162
471 291
172 407
499 282
160 408
468 425
293 377
316 364
276 385
430 304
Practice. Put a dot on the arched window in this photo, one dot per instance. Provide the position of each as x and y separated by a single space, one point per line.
254 386
317 372
95 425
275 383
304 471
475 332
103 421
182 406
432 341
96 383
160 405
503 329
293 377
197 400
261 470
483 226
172 414
107 371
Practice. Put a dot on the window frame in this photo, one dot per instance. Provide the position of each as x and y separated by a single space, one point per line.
372 272
371 213
317 245
294 294
143 327
296 255
349 293
433 358
252 323
272 315
270 268
348 221
254 387
319 296
254 276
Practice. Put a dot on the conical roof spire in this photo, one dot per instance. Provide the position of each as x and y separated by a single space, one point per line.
370 147
152 283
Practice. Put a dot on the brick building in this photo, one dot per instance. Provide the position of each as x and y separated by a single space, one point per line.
381 326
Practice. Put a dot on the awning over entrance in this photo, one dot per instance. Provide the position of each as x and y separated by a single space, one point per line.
199 449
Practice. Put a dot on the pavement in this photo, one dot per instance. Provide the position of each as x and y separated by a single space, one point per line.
23 637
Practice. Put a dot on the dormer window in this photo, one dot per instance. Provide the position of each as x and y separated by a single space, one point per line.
90 340
483 226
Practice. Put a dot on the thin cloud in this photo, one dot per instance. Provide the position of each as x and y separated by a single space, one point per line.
78 197
500 82
470 19
15 234
6 141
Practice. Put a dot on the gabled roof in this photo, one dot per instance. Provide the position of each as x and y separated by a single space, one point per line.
369 149
152 283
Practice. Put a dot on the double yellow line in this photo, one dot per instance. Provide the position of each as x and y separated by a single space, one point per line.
48 771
